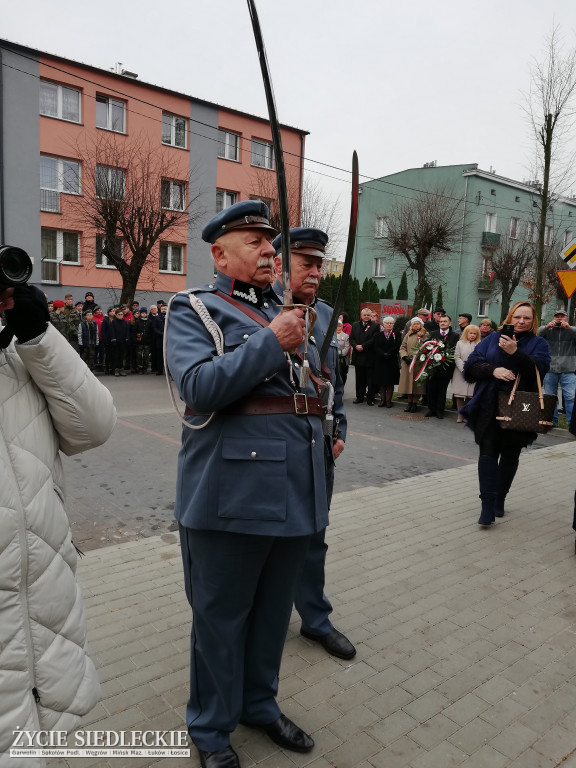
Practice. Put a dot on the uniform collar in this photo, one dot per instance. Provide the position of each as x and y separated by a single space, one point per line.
236 289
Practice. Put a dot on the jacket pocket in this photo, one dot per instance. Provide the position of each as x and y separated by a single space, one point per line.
253 479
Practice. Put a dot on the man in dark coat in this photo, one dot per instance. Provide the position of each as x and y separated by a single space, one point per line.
362 344
437 384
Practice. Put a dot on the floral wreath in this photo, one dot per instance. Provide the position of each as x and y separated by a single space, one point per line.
432 356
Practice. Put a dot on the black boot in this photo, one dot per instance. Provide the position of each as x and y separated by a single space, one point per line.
488 480
507 467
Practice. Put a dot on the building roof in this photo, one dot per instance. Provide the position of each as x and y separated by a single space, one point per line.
126 78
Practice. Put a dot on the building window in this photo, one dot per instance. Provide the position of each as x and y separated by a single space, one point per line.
490 225
173 130
486 265
531 232
171 259
173 195
548 235
381 229
110 114
379 269
514 228
225 199
102 259
567 238
267 201
110 183
228 145
262 154
57 246
483 305
57 175
59 101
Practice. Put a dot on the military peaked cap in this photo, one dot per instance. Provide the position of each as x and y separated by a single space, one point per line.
304 240
249 214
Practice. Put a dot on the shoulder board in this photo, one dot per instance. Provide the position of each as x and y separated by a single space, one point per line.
323 301
211 288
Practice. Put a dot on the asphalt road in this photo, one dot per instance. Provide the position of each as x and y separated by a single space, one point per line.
125 489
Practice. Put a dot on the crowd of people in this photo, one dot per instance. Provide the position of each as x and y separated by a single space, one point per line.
127 339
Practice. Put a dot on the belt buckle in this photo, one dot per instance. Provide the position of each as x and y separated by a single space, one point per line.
300 405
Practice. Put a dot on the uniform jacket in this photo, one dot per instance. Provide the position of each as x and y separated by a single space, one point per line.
70 319
323 316
364 337
246 474
562 342
49 402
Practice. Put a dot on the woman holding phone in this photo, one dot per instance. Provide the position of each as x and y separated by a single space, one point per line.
493 366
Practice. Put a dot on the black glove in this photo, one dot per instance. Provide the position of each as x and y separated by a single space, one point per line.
30 315
407 359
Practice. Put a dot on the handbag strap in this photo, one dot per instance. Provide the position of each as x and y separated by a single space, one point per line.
538 383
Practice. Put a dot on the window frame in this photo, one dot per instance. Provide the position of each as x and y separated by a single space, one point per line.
483 304
490 222
182 194
110 102
169 251
269 163
59 237
225 192
109 169
381 227
173 118
60 88
379 266
104 264
514 232
224 141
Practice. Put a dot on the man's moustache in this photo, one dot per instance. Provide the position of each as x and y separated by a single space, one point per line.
265 263
310 281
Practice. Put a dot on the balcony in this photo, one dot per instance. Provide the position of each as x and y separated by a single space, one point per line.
490 239
50 200
484 283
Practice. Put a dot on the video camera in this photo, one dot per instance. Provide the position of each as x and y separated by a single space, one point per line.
15 266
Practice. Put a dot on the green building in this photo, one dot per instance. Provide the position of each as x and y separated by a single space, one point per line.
490 213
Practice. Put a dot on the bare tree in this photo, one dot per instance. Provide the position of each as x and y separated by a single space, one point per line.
508 264
309 207
133 194
551 107
422 230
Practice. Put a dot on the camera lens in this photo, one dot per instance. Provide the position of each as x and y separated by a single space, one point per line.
15 266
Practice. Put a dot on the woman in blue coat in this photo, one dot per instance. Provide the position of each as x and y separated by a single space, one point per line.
493 366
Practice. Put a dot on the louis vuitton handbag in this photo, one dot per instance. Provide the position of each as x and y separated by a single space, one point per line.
526 411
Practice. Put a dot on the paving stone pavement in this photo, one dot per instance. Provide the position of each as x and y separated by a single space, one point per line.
466 637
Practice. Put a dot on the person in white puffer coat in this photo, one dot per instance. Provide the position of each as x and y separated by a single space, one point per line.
49 402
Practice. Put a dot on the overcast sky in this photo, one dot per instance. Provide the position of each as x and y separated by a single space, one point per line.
403 82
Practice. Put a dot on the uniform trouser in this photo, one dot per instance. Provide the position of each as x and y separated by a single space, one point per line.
241 588
436 388
311 602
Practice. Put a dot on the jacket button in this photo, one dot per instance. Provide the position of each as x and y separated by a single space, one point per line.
246 336
253 455
313 443
265 305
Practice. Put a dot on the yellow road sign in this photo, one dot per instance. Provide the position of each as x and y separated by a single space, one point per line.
569 254
568 280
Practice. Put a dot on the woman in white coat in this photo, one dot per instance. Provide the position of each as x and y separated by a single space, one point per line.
463 390
49 402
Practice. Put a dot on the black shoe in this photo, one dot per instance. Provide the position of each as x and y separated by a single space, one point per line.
369 402
408 408
439 415
414 408
388 405
429 414
334 642
286 734
222 758
358 400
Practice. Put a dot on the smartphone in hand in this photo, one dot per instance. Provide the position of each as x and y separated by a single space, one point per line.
508 330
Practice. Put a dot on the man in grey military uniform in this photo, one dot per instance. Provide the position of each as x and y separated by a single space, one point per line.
251 487
307 247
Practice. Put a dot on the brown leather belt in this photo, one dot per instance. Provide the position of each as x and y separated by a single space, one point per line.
299 404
